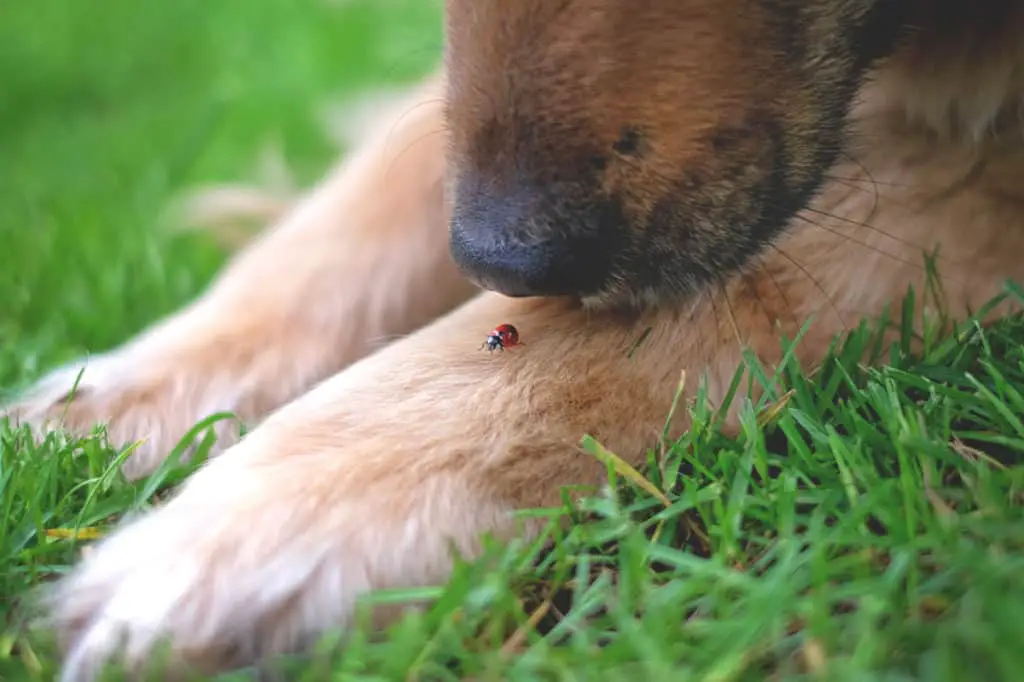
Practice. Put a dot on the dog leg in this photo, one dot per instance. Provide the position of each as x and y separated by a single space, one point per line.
362 482
362 260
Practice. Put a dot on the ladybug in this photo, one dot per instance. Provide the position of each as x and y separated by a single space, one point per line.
503 335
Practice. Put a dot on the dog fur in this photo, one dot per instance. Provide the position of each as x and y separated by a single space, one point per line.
765 162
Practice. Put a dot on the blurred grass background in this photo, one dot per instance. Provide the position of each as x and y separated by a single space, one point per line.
109 111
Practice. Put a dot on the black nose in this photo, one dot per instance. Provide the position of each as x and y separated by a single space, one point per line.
529 245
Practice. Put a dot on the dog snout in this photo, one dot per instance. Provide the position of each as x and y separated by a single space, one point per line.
526 244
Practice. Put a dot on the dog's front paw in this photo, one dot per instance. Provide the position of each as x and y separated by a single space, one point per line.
152 391
150 403
232 568
265 549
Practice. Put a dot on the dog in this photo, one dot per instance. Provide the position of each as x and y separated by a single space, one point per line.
716 173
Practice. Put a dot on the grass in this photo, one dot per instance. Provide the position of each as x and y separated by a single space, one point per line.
864 525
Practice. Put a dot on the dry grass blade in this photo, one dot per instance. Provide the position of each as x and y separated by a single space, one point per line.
622 468
814 657
772 411
87 533
514 643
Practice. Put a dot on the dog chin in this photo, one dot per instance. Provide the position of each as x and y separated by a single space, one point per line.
621 298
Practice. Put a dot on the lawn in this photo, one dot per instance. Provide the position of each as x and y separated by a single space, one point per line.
865 525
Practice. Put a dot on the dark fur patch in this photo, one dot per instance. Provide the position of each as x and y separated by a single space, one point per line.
630 142
729 113
747 179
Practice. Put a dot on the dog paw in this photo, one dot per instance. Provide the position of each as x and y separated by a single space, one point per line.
153 391
148 402
215 579
262 551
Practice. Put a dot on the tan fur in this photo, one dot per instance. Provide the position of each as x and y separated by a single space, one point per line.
361 481
338 277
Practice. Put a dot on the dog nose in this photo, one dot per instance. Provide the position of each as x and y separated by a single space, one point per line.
517 246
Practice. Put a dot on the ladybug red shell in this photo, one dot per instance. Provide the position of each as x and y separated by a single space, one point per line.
503 336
